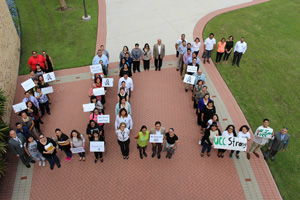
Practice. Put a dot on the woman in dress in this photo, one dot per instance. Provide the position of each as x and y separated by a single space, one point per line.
208 138
229 132
196 45
123 140
243 133
146 56
29 123
49 62
77 140
32 151
142 141
123 104
46 146
228 49
207 113
123 116
171 143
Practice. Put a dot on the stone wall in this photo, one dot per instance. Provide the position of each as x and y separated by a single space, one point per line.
9 57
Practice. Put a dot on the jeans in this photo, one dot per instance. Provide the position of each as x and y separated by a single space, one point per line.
68 153
53 159
124 147
43 106
206 146
82 154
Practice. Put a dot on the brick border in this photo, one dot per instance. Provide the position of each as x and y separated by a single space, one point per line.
101 31
261 170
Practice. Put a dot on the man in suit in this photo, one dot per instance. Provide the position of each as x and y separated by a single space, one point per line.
281 141
16 143
157 130
158 54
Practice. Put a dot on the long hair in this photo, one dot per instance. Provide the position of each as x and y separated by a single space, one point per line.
231 125
78 134
120 101
121 110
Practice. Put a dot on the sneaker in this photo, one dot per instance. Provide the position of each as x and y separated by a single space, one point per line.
230 155
44 163
67 158
40 163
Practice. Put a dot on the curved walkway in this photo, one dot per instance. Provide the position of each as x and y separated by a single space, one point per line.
157 95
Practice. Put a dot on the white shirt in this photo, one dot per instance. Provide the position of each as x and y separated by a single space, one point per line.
127 120
260 140
226 134
210 122
128 83
196 47
179 42
240 47
158 132
209 44
123 136
159 49
242 135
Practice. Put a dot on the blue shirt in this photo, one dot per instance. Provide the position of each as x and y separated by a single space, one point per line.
96 60
282 136
182 49
201 77
190 60
33 100
25 132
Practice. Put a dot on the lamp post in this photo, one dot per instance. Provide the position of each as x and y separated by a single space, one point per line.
86 17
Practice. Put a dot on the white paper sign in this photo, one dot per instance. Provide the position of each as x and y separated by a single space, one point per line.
98 91
103 119
95 69
77 150
189 79
156 138
49 77
47 90
27 85
107 82
235 143
191 69
19 107
88 107
265 132
97 146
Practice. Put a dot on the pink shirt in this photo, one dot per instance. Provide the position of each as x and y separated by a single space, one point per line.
221 47
95 118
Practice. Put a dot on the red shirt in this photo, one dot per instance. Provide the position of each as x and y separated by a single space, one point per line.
39 59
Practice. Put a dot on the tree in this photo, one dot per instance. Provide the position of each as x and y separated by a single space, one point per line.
63 5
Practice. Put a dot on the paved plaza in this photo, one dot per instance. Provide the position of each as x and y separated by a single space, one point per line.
157 96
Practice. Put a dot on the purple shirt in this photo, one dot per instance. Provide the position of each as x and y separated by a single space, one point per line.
33 99
186 57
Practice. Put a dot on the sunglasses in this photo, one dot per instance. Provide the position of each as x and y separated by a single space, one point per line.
42 137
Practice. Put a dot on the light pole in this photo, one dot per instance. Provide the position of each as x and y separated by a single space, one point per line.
86 17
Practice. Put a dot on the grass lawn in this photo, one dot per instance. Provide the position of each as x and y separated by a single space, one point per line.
266 84
63 35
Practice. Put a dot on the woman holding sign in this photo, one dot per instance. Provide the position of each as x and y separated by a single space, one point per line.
142 140
77 140
123 140
243 133
94 116
229 132
43 101
123 116
47 147
171 143
208 138
97 137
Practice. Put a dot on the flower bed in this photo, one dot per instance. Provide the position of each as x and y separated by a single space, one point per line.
14 14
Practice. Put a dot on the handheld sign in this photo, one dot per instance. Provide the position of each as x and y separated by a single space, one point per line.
189 79
19 107
191 69
107 82
231 143
95 69
47 90
98 91
77 150
49 77
156 138
27 85
103 119
265 132
97 146
88 107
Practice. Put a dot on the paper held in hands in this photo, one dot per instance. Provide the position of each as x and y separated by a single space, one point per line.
47 90
19 107
191 69
88 107
49 77
97 146
27 85
95 69
230 143
49 147
77 150
156 138
99 91
107 82
265 132
189 79
103 119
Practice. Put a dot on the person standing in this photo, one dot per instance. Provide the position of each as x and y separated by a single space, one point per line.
259 142
46 146
43 101
220 51
128 83
208 138
100 56
158 54
104 51
239 49
209 48
196 45
37 59
185 58
193 64
280 141
23 130
136 54
78 140
64 144
98 137
31 98
182 49
157 130
123 116
179 42
48 61
124 52
32 151
142 140
229 133
228 49
243 133
29 123
123 139
16 143
171 143
146 56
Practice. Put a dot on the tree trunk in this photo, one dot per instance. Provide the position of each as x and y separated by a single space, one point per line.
63 5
